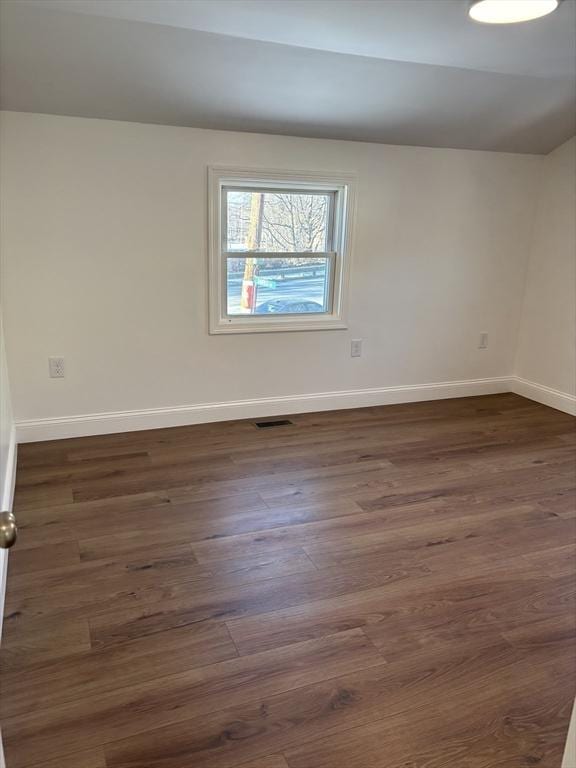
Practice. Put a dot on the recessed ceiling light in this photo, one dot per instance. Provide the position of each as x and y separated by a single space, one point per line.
510 11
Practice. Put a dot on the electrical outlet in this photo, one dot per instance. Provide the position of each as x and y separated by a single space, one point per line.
356 348
56 367
483 342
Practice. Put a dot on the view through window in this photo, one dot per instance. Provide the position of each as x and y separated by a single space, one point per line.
288 236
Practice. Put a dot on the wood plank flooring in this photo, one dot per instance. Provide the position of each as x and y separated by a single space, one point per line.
386 587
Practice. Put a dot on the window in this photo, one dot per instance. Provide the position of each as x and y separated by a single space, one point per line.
279 257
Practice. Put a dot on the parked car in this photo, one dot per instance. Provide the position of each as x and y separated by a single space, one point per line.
283 307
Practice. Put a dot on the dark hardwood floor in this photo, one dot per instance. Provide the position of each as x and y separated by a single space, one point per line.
378 588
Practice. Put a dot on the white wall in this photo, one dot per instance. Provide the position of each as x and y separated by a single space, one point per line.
547 338
105 250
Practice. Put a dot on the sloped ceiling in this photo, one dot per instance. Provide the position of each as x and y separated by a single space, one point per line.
390 71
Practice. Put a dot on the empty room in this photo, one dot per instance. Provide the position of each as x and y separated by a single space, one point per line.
288 383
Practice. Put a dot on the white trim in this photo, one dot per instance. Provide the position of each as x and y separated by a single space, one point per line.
569 760
30 430
275 324
344 185
562 401
9 483
10 479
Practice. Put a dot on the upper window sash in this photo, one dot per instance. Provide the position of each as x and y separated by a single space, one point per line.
330 235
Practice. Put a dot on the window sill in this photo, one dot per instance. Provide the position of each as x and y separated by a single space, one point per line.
277 326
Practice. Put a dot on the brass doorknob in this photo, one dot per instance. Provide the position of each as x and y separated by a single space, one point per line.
8 530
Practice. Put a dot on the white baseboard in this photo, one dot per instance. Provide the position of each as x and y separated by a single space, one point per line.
31 430
562 401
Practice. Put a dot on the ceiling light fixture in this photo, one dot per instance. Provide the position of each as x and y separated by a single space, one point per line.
510 11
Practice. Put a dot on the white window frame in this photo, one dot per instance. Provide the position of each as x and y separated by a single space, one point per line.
342 186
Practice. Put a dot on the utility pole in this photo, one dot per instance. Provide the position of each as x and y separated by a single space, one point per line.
254 236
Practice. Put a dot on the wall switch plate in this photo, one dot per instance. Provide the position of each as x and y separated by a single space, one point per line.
56 367
483 343
356 348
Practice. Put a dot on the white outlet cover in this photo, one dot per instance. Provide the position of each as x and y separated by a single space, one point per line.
356 348
56 367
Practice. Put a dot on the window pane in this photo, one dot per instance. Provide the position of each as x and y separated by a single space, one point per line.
277 222
278 286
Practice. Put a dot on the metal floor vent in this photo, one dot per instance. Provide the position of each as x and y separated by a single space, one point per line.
279 423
